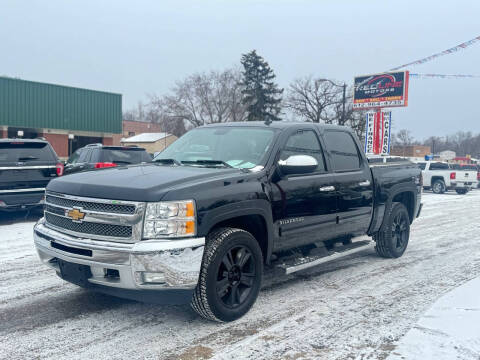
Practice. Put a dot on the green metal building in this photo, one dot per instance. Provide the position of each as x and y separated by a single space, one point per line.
66 116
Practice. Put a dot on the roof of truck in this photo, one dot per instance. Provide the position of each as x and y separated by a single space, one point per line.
277 124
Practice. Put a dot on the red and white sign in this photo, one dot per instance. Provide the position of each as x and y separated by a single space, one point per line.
377 134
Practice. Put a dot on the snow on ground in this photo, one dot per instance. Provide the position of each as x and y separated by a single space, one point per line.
448 330
354 308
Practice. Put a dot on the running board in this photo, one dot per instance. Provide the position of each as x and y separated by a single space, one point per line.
310 261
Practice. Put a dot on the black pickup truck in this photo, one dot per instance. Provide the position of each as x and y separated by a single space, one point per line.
26 167
223 202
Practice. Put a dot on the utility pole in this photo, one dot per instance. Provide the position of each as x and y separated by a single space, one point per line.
343 103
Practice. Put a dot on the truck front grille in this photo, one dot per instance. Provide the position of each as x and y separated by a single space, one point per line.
101 219
93 206
89 228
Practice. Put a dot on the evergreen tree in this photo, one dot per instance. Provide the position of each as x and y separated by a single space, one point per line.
260 93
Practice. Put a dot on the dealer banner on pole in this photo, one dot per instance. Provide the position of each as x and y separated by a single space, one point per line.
377 132
380 90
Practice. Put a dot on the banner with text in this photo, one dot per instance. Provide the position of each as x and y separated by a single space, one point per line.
377 133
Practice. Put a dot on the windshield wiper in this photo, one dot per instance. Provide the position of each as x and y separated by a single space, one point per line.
208 162
167 161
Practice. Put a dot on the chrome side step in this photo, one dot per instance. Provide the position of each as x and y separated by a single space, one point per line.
310 261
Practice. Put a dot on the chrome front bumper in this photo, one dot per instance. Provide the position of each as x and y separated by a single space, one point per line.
175 263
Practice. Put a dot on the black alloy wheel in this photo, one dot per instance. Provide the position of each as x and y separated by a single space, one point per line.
400 232
235 276
230 276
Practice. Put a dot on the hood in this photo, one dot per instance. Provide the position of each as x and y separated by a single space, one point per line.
136 182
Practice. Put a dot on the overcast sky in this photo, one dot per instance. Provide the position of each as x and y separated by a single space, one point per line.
141 47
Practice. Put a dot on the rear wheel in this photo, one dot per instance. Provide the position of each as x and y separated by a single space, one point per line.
230 276
392 239
438 187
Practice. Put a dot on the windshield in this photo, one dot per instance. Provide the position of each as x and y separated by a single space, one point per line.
238 147
19 151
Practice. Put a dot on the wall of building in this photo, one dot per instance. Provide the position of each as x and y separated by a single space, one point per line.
59 143
31 104
410 151
132 128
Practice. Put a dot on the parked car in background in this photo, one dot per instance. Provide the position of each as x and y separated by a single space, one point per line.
97 156
26 167
440 177
472 169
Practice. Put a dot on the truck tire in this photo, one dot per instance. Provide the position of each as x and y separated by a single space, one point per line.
392 239
438 186
461 191
230 275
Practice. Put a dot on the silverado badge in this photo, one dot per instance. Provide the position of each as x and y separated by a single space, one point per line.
75 214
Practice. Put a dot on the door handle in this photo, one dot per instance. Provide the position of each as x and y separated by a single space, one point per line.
327 188
364 183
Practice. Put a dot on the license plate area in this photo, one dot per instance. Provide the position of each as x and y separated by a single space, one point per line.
75 273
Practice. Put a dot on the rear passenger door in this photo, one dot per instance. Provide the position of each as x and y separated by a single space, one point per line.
353 182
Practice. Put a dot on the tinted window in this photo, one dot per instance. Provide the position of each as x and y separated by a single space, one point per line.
304 142
124 156
19 151
343 149
84 156
422 165
439 166
73 159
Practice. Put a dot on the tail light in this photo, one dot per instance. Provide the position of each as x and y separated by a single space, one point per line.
60 169
453 176
478 175
101 165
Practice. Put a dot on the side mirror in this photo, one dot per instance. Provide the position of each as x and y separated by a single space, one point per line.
298 164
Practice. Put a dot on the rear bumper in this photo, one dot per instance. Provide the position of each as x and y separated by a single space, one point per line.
462 185
21 199
175 264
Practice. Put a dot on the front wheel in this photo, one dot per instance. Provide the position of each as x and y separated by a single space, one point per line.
392 239
230 276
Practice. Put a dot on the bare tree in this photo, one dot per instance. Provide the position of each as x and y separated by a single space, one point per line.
204 98
403 138
311 98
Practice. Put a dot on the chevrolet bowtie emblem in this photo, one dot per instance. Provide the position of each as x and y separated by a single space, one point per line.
75 214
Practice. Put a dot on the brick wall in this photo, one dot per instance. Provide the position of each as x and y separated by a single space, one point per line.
107 141
59 143
3 134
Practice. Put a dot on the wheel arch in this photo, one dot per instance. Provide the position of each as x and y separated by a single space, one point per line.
253 217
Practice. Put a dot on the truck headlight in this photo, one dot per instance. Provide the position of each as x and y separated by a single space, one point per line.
169 219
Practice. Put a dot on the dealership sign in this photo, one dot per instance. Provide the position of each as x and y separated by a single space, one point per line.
377 134
381 90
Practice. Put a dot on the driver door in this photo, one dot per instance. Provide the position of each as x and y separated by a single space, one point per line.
305 205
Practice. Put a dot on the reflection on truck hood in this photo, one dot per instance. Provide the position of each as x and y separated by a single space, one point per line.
136 182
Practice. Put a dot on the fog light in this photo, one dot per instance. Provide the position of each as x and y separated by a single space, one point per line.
153 277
